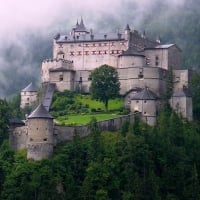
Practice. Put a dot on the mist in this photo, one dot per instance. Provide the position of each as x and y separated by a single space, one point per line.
28 27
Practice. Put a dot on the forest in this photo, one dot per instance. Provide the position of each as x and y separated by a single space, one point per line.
137 162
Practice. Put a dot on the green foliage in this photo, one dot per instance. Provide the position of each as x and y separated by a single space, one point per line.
71 108
138 162
195 89
105 84
4 119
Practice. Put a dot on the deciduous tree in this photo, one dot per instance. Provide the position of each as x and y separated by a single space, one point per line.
105 84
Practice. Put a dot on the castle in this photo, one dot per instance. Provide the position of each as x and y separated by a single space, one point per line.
143 66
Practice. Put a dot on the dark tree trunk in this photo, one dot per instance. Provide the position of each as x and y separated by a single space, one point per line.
106 104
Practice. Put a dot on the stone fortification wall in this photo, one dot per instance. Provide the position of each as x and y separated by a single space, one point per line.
183 106
64 80
154 78
130 77
82 81
18 137
54 64
66 133
157 58
181 78
174 57
131 61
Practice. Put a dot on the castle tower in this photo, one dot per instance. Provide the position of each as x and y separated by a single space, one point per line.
127 32
181 102
28 96
40 134
146 103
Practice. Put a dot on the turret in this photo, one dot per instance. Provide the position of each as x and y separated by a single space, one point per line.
28 96
127 32
40 134
145 102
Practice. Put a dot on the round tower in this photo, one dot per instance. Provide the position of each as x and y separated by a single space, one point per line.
40 134
145 102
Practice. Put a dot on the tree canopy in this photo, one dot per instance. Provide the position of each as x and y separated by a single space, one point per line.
105 84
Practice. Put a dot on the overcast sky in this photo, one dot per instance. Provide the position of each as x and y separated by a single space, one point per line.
19 15
21 20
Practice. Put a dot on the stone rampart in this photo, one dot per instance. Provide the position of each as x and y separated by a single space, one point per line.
18 136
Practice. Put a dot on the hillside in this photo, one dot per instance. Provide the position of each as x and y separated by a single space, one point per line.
72 108
138 162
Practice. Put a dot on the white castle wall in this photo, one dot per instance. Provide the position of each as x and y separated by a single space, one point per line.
63 80
153 77
28 99
53 64
161 54
90 55
131 61
181 78
183 106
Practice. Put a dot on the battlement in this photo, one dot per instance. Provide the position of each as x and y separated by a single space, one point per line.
57 61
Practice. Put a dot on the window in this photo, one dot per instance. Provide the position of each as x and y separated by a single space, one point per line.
27 99
71 53
61 77
137 101
45 139
140 75
80 80
145 101
157 60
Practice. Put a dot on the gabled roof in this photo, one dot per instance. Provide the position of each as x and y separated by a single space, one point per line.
87 38
145 94
163 46
182 92
40 112
16 120
30 88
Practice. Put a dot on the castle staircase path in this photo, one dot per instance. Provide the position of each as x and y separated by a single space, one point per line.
47 96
